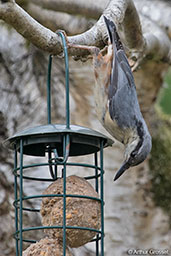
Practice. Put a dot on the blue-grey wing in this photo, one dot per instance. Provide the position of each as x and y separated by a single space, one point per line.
121 74
123 104
123 61
124 107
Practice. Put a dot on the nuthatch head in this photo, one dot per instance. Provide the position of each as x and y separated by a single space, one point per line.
116 100
137 150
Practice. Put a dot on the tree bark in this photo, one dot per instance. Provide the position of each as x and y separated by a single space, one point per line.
121 12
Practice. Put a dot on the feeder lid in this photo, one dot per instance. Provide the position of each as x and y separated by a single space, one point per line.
37 140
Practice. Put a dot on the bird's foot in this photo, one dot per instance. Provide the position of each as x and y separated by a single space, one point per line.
92 49
104 50
135 60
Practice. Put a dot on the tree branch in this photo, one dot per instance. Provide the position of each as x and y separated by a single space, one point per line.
88 8
123 13
159 43
120 11
161 15
56 20
40 36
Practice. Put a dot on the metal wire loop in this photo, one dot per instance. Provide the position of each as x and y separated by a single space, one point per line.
57 159
53 162
61 34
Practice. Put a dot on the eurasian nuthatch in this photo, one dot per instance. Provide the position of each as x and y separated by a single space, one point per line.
116 100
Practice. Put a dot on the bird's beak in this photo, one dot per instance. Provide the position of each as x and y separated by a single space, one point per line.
122 169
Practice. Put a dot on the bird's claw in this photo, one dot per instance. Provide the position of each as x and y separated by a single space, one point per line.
135 60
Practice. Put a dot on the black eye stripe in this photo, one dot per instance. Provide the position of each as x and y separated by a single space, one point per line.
133 153
140 133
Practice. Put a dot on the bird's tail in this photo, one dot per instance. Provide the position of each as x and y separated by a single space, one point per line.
120 55
113 35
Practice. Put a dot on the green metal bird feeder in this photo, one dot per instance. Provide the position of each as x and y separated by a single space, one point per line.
57 142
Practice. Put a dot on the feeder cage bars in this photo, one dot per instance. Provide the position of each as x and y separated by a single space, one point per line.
58 142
